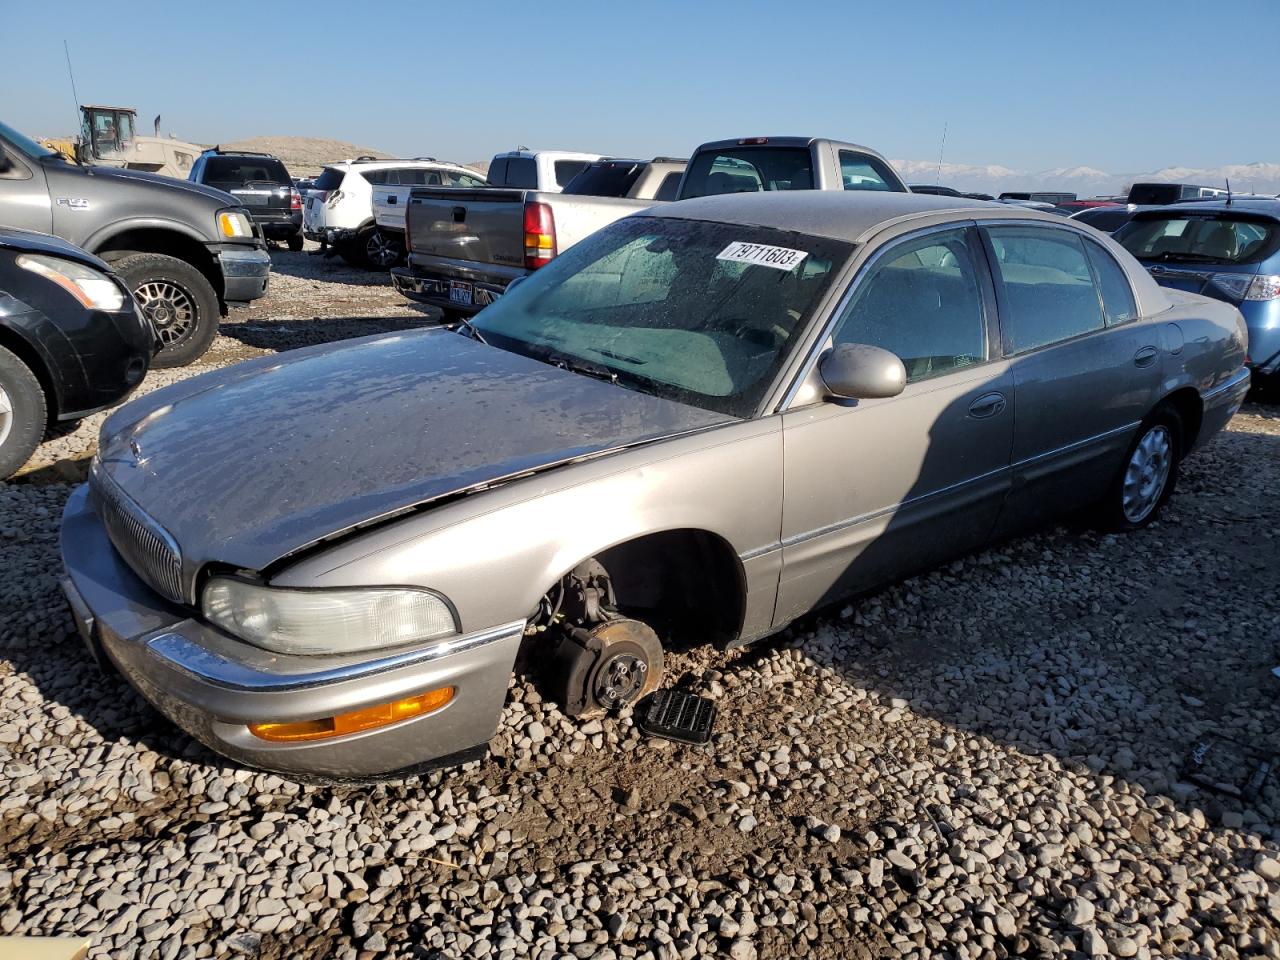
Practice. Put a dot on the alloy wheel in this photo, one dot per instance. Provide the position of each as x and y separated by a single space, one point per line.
1147 474
381 251
6 415
170 308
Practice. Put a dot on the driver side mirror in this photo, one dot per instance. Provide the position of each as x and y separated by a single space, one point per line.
859 371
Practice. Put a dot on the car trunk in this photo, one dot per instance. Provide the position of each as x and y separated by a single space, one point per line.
484 225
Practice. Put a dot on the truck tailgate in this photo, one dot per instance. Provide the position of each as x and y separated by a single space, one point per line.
482 225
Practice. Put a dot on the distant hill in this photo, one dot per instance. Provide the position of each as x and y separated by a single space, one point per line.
304 156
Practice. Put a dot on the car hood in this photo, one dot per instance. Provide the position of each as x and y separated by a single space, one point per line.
223 198
28 241
247 465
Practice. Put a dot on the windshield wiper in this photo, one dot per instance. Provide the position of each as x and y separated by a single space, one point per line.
472 329
1177 256
585 367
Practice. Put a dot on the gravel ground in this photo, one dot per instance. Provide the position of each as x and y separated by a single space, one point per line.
982 761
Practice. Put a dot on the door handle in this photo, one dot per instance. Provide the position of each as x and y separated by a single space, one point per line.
1145 357
987 405
393 199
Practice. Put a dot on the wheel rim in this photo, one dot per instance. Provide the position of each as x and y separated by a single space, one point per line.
1147 474
381 251
6 415
170 308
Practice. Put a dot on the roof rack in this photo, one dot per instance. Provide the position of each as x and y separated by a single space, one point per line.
217 148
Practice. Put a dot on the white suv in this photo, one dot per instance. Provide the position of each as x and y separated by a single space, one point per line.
339 208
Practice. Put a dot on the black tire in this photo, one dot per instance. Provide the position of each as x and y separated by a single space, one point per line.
23 414
295 242
374 250
178 299
1144 507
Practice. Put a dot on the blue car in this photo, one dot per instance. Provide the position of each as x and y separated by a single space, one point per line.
1229 250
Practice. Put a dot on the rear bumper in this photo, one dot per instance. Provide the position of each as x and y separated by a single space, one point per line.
435 286
1221 404
244 274
213 685
1262 318
330 235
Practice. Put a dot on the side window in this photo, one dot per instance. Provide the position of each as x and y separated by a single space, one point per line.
1117 295
1049 294
379 178
860 172
921 301
522 172
670 184
11 167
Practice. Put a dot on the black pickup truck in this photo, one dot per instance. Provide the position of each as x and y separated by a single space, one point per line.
187 252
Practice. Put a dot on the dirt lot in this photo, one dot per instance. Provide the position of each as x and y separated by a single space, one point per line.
987 760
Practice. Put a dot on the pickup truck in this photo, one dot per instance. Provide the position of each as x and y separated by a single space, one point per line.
547 171
391 192
465 247
186 251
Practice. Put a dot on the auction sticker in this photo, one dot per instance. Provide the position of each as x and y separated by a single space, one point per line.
780 258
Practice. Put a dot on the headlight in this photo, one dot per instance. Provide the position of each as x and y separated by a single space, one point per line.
326 621
234 224
93 288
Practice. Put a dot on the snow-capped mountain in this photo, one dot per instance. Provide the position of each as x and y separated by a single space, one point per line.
1258 177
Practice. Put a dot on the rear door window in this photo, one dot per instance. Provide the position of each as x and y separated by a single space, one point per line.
1049 293
861 172
1117 294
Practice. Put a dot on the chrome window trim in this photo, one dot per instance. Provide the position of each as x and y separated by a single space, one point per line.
819 345
203 665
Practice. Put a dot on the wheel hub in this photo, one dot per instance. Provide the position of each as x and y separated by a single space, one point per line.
6 415
1147 474
619 680
169 307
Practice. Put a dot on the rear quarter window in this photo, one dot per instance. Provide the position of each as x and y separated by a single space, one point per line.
330 179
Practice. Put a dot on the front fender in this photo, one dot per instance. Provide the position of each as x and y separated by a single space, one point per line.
495 553
104 234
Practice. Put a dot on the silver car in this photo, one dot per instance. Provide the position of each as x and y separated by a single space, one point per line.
696 425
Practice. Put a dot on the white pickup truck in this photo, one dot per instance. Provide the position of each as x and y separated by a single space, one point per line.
391 189
466 246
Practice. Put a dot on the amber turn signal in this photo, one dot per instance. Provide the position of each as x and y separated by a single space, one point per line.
370 718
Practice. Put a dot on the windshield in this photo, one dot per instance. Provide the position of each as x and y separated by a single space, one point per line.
703 313
1203 239
24 144
609 178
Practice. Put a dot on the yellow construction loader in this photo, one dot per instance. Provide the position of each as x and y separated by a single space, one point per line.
109 137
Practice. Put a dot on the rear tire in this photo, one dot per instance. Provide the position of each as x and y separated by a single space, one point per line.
1147 477
23 414
374 250
295 242
179 301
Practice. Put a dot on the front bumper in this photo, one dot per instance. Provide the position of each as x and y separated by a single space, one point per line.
244 274
213 685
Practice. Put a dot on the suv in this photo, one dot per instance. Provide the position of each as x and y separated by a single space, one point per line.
188 252
339 209
547 171
259 181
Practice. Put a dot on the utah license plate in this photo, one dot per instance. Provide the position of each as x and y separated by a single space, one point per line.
460 292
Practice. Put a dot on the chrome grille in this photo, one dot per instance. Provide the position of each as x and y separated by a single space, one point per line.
142 542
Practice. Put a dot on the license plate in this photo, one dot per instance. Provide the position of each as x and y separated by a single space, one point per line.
460 292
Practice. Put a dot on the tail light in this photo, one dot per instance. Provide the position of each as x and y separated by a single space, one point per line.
539 235
408 234
295 200
753 141
1244 287
332 198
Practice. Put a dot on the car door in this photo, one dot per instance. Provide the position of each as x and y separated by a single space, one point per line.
1085 367
875 489
24 193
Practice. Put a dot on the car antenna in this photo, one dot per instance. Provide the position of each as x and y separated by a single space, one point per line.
941 147
1228 180
71 73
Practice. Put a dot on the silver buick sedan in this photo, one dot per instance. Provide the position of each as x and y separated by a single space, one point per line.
695 426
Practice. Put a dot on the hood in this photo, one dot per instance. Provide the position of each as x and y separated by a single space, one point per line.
28 241
249 464
223 198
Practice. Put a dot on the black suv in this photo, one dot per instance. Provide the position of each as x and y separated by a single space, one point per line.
262 184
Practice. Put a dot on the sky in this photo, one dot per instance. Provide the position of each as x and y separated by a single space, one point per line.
1124 85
